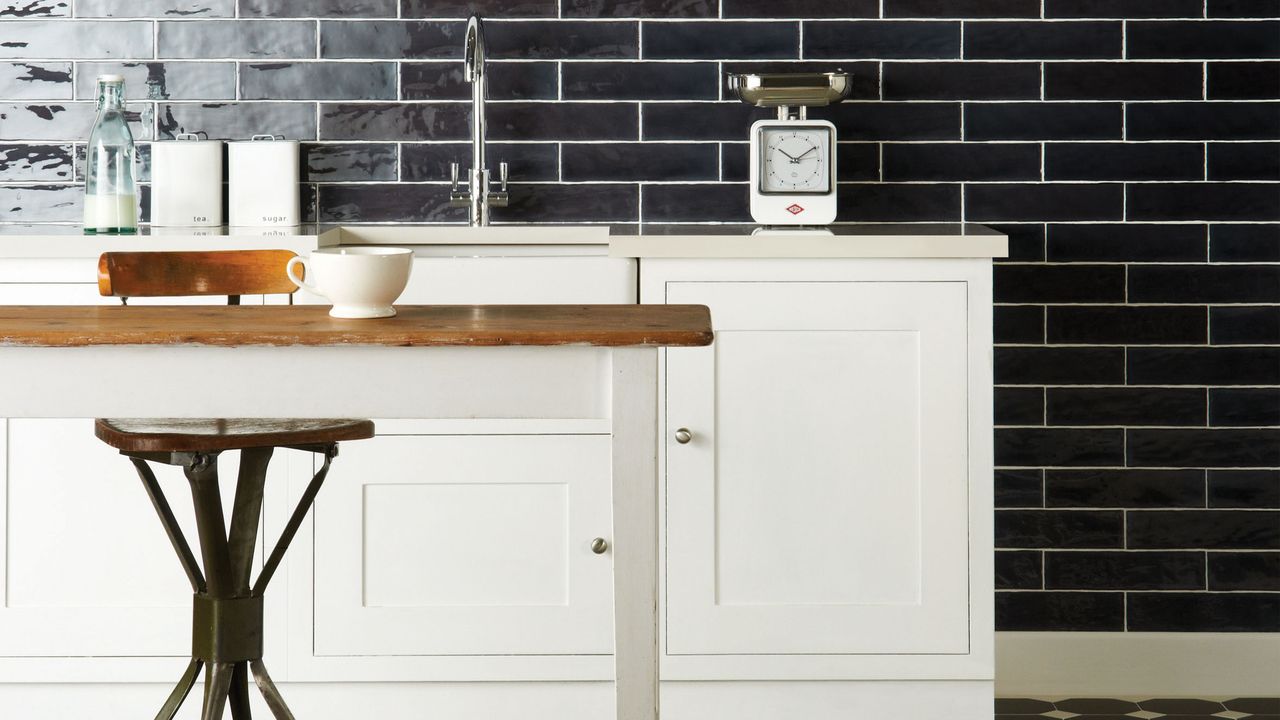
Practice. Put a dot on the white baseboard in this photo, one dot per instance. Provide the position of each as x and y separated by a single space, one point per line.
1045 664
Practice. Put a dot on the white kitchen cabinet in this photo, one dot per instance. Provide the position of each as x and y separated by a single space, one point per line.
828 518
439 545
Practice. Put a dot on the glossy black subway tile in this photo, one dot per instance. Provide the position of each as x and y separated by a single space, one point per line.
1243 9
1043 41
1244 161
1019 324
37 163
801 8
561 39
882 40
639 8
1203 39
960 81
1254 489
1059 366
1203 201
1124 488
1054 202
1203 612
318 81
1209 529
395 121
1019 406
1043 121
1026 241
444 80
1224 448
1065 447
487 8
950 162
1244 407
1072 529
701 121
349 162
1204 366
1123 8
156 8
961 9
318 8
1018 570
1127 243
887 202
1243 81
374 203
639 162
1245 325
569 204
1127 326
82 40
1123 81
1019 488
1124 571
563 121
36 9
391 39
526 162
1244 243
1204 283
1244 571
1060 611
250 39
1016 283
1125 406
1124 161
641 81
721 40
1202 121
695 203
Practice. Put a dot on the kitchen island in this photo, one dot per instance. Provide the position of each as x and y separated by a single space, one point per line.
822 511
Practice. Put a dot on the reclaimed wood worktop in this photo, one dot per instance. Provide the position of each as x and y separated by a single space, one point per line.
310 325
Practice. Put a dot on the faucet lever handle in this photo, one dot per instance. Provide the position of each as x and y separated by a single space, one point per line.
453 175
502 173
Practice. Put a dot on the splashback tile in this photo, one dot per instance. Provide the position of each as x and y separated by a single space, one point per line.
36 81
237 38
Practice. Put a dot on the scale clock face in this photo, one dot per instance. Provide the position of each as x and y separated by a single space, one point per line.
793 172
795 160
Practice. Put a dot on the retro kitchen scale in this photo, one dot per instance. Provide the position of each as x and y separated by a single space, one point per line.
793 158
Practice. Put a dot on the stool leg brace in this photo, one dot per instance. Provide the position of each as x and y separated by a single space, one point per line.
227 611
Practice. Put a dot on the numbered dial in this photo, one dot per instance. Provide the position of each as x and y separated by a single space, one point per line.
795 160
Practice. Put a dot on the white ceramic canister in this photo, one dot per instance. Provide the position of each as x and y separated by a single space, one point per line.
263 175
186 182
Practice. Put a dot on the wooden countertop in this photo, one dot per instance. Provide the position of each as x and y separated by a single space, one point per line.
310 325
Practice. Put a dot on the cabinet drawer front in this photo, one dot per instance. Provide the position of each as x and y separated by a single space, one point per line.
821 507
465 545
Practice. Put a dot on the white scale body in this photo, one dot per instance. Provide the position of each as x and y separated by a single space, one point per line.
793 172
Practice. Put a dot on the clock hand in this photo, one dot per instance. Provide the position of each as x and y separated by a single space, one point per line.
806 152
784 152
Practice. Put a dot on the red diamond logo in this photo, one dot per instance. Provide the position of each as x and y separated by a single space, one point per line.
795 209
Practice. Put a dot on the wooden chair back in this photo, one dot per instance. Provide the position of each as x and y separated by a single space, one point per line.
180 274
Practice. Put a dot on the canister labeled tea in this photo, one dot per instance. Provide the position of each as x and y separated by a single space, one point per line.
264 180
186 182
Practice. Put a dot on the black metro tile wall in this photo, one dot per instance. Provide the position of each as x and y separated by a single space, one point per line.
1129 148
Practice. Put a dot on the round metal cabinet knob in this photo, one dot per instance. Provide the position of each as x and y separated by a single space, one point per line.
599 546
683 436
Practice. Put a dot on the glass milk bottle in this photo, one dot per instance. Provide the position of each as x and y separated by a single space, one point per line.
111 194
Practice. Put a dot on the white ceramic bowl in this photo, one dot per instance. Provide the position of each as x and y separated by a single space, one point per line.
360 281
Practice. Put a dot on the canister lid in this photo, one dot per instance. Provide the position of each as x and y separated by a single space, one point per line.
110 78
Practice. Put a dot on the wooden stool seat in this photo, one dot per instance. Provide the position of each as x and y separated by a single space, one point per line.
210 435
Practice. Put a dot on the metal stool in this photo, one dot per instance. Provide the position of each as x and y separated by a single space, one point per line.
226 636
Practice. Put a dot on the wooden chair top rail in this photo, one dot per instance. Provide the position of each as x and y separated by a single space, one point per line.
179 274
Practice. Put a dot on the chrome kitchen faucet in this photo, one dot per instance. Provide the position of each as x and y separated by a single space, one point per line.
477 196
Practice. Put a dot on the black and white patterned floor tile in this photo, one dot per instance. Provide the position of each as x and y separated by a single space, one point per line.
1116 709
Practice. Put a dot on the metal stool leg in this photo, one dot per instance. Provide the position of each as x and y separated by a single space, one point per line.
240 692
217 684
180 692
269 691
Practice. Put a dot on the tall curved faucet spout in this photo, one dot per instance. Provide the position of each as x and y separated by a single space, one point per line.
476 196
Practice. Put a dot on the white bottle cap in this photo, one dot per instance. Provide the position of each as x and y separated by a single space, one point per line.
111 78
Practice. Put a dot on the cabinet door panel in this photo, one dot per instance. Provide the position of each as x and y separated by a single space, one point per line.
87 569
465 545
821 506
